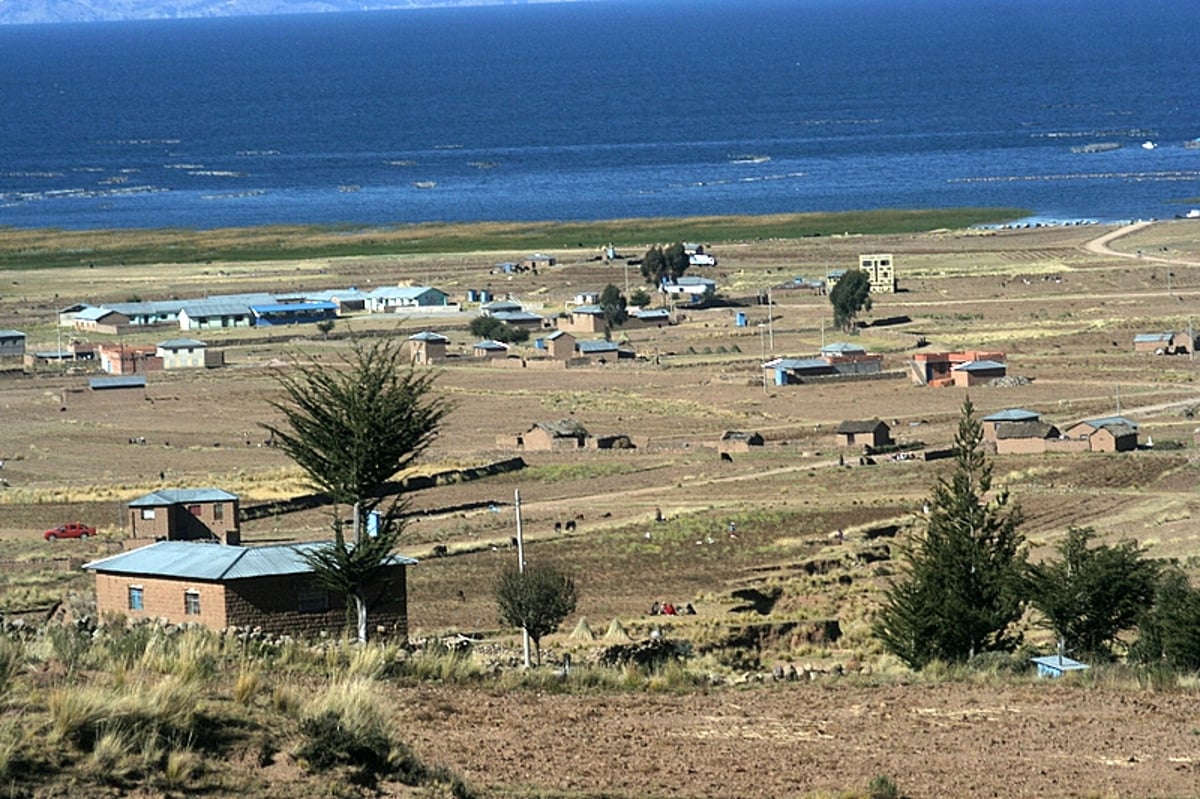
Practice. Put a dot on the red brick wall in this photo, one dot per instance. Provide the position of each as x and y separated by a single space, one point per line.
270 603
161 599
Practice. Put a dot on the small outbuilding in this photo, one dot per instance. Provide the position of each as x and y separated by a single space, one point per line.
186 514
1054 666
426 347
859 433
739 441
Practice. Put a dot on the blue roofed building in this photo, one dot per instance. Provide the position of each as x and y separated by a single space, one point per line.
292 313
269 588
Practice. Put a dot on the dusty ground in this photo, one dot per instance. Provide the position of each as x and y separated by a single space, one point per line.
1066 315
797 739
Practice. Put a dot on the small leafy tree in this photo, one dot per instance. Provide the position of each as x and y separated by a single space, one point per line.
851 294
1090 594
351 427
639 298
485 327
963 578
612 308
664 264
325 327
536 600
1169 633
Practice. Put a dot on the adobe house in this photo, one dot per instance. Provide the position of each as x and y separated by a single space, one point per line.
989 422
538 260
582 319
565 434
1110 434
101 320
1026 437
426 347
1163 343
977 373
560 345
219 587
858 433
936 368
186 514
489 349
738 441
129 359
188 353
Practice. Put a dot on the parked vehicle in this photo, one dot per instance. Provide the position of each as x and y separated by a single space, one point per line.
69 530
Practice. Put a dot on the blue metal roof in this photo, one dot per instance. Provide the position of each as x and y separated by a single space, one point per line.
102 383
653 313
489 344
293 307
11 334
215 562
1013 415
1147 338
180 496
428 335
843 347
799 364
181 344
94 313
516 316
557 334
979 366
201 308
589 310
1110 421
595 347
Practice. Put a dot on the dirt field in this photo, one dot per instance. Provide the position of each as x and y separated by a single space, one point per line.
1064 312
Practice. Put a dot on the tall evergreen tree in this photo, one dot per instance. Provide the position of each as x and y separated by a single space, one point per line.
613 308
351 427
963 576
1169 633
851 294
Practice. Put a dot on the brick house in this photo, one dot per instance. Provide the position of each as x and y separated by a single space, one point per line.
426 347
977 373
990 422
267 587
1110 434
857 433
565 434
1171 343
936 368
560 345
186 514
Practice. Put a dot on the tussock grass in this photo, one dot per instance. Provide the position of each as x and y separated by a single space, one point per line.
247 686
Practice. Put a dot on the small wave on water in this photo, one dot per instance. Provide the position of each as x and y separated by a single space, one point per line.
237 195
746 179
1165 176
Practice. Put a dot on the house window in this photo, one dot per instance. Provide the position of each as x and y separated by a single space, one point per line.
313 601
194 510
136 597
218 511
148 514
191 603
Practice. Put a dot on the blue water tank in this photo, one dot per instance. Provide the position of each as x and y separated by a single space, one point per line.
740 319
485 296
539 344
472 295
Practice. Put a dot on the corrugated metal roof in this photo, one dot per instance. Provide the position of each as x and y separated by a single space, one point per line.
293 307
588 310
427 335
201 308
179 496
181 344
593 347
801 364
215 562
516 316
1147 338
94 313
1013 415
843 347
1111 421
489 344
102 383
979 366
860 426
11 334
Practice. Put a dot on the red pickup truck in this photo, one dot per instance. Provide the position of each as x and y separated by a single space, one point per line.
70 530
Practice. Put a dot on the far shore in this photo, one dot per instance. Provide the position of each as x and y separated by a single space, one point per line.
55 248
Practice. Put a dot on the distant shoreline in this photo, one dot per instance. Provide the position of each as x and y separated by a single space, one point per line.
50 247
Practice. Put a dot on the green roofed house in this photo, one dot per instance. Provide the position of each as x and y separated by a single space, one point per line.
185 514
270 588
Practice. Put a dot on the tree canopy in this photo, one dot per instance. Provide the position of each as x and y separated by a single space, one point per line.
962 582
661 264
485 327
612 308
851 294
1090 594
351 427
537 600
1169 633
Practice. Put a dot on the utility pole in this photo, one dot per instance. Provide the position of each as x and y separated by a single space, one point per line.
763 360
521 570
771 319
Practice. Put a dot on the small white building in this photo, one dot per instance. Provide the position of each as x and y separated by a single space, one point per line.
188 353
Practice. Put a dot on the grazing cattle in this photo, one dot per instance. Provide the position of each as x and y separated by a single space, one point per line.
512 542
571 526
440 550
558 527
726 457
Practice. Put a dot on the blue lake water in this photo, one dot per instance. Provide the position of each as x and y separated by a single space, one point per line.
603 110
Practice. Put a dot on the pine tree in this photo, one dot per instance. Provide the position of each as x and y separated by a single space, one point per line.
963 578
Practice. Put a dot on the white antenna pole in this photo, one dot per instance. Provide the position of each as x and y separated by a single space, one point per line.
521 569
771 319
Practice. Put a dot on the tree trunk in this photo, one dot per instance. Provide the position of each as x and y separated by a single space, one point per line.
358 522
360 604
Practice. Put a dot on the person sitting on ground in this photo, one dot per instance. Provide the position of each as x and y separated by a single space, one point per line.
656 609
668 609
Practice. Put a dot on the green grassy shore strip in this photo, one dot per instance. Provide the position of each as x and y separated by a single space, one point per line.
47 249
